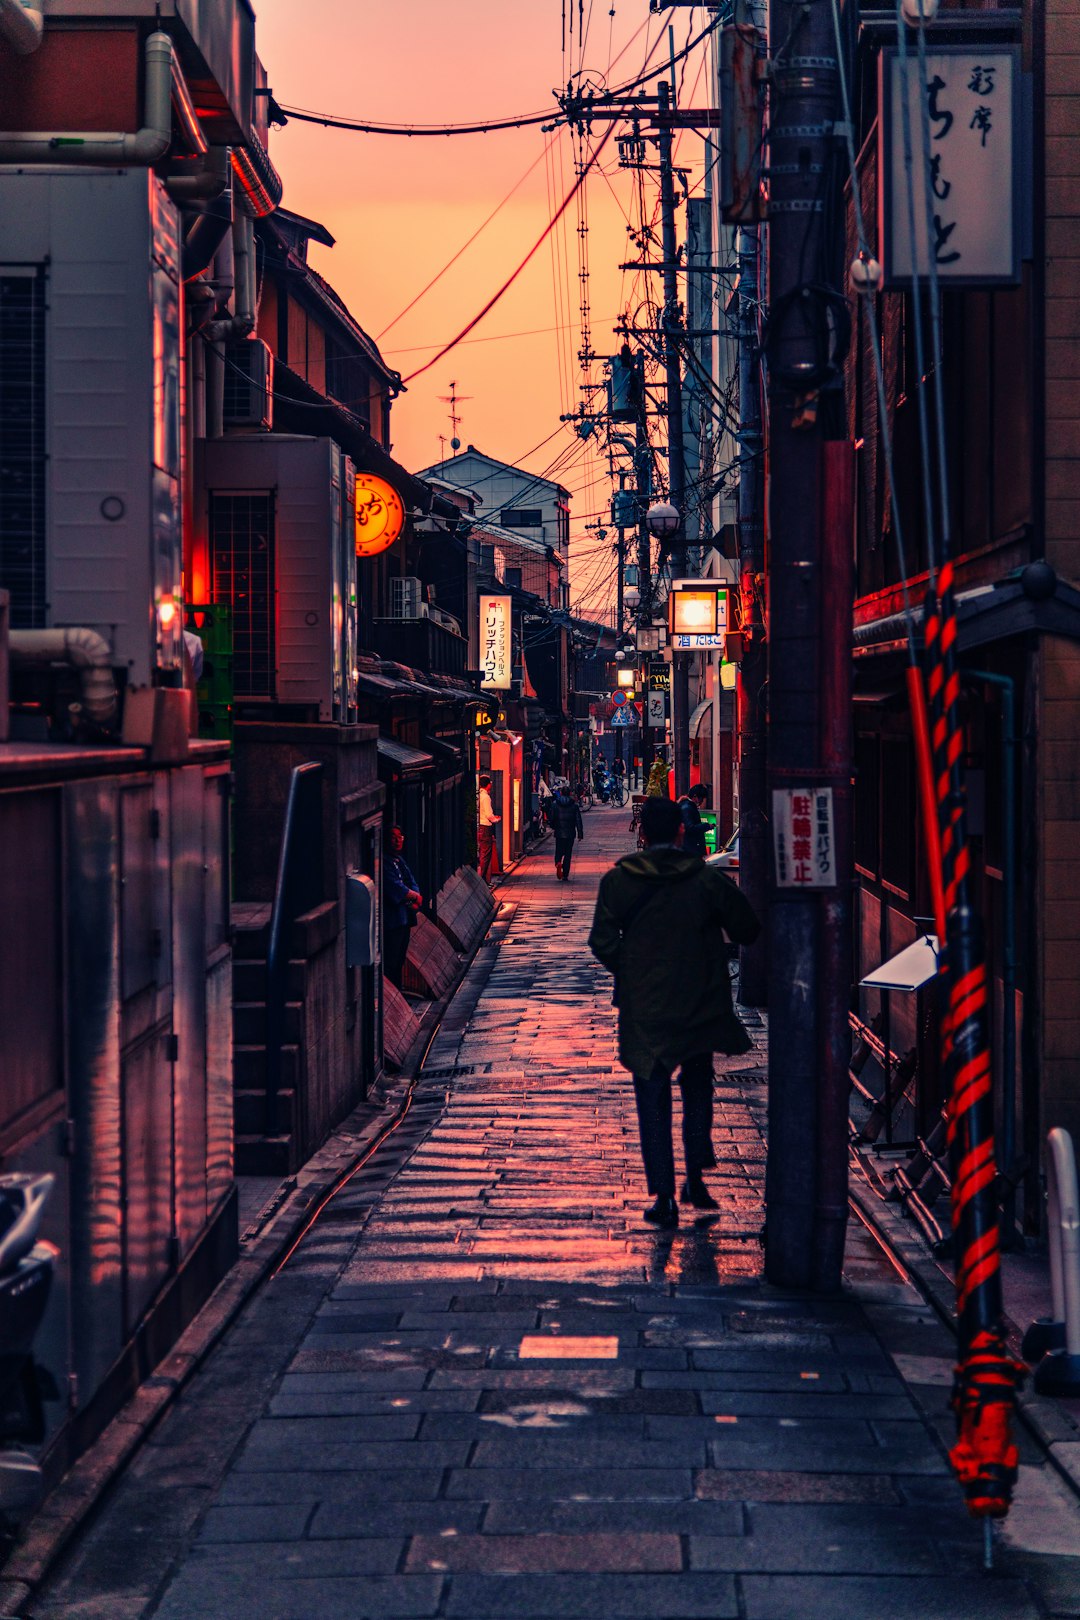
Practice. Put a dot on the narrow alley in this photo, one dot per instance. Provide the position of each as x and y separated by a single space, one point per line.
482 1387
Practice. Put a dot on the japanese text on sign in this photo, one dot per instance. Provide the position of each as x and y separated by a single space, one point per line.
804 842
966 106
495 648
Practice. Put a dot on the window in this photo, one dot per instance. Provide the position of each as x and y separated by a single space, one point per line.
487 559
22 429
242 571
521 517
512 576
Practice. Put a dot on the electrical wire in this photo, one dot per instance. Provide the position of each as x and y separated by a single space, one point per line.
478 231
509 282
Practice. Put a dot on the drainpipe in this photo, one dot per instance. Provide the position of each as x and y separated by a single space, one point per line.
241 251
1007 687
21 24
258 180
201 182
86 651
148 146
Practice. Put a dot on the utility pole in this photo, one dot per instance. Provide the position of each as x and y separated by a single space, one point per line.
643 491
620 564
753 805
672 327
803 1243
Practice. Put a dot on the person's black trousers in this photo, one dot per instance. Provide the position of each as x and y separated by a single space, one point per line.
564 848
395 950
653 1096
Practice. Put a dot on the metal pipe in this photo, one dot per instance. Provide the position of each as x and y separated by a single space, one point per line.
86 651
672 324
836 973
145 147
204 181
186 116
259 181
1009 741
22 24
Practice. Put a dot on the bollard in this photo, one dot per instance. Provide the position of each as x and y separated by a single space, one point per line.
1058 1373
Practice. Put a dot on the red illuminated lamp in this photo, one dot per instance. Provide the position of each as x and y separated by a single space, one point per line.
380 515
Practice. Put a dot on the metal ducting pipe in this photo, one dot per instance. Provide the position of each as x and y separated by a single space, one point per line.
240 262
146 147
202 181
86 651
204 234
22 24
186 116
260 183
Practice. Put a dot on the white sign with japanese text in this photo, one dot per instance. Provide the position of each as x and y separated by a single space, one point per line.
496 657
804 844
657 702
971 100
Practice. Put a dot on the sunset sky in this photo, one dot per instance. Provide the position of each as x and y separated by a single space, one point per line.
401 208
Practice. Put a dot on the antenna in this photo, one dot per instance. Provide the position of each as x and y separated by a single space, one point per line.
453 399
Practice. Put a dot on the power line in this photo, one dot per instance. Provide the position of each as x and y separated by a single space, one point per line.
509 282
436 278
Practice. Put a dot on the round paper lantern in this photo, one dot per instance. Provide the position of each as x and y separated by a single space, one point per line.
380 515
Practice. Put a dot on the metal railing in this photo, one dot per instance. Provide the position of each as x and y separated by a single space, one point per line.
299 888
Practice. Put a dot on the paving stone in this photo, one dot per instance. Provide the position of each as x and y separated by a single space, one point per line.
340 1399
338 1485
540 1553
518 1516
584 1597
371 1517
585 1451
282 1521
816 1597
595 1484
203 1596
289 1560
778 1485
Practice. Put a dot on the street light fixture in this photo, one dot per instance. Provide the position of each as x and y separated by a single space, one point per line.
663 520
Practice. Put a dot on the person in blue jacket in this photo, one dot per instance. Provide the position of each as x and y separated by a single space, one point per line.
403 900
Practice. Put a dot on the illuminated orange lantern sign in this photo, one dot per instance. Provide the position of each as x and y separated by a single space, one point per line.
380 515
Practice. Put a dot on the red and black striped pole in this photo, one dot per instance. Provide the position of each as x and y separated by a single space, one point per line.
985 1455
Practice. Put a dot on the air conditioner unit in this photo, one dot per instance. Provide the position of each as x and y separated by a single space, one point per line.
406 599
249 385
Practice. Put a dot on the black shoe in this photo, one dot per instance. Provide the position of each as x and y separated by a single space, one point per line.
696 1193
665 1212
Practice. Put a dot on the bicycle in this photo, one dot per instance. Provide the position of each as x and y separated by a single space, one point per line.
583 797
620 793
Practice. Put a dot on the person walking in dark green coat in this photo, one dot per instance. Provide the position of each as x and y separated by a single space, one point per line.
662 921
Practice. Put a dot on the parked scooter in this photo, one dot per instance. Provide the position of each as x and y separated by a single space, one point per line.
26 1273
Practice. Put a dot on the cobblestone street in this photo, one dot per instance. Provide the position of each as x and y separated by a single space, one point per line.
482 1387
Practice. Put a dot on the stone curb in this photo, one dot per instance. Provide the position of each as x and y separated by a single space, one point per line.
1048 1426
45 1537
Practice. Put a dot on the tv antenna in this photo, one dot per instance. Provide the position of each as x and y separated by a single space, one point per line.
453 399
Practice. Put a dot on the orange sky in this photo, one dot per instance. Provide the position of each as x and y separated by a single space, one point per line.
401 208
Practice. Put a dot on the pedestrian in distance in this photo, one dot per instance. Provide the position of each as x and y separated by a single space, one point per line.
488 840
566 824
402 898
661 926
690 807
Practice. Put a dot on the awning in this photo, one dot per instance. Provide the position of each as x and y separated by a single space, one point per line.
443 751
698 716
398 759
909 969
1035 600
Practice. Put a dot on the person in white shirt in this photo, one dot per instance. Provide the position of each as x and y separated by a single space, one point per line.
490 861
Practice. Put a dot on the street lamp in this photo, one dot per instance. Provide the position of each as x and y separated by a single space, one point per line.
663 520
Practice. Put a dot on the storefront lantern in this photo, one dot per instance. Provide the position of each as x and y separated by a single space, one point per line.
380 515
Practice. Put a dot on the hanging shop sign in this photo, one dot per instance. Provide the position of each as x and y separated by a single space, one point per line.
968 106
657 708
380 514
495 642
659 677
697 615
804 843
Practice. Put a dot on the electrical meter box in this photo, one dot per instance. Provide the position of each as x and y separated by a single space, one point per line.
361 921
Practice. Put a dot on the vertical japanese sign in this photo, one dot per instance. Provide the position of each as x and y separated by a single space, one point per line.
495 643
657 708
804 844
971 99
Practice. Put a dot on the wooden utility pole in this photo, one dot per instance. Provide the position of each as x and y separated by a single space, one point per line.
671 321
800 1251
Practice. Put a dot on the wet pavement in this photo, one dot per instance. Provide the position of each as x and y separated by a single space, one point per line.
483 1387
